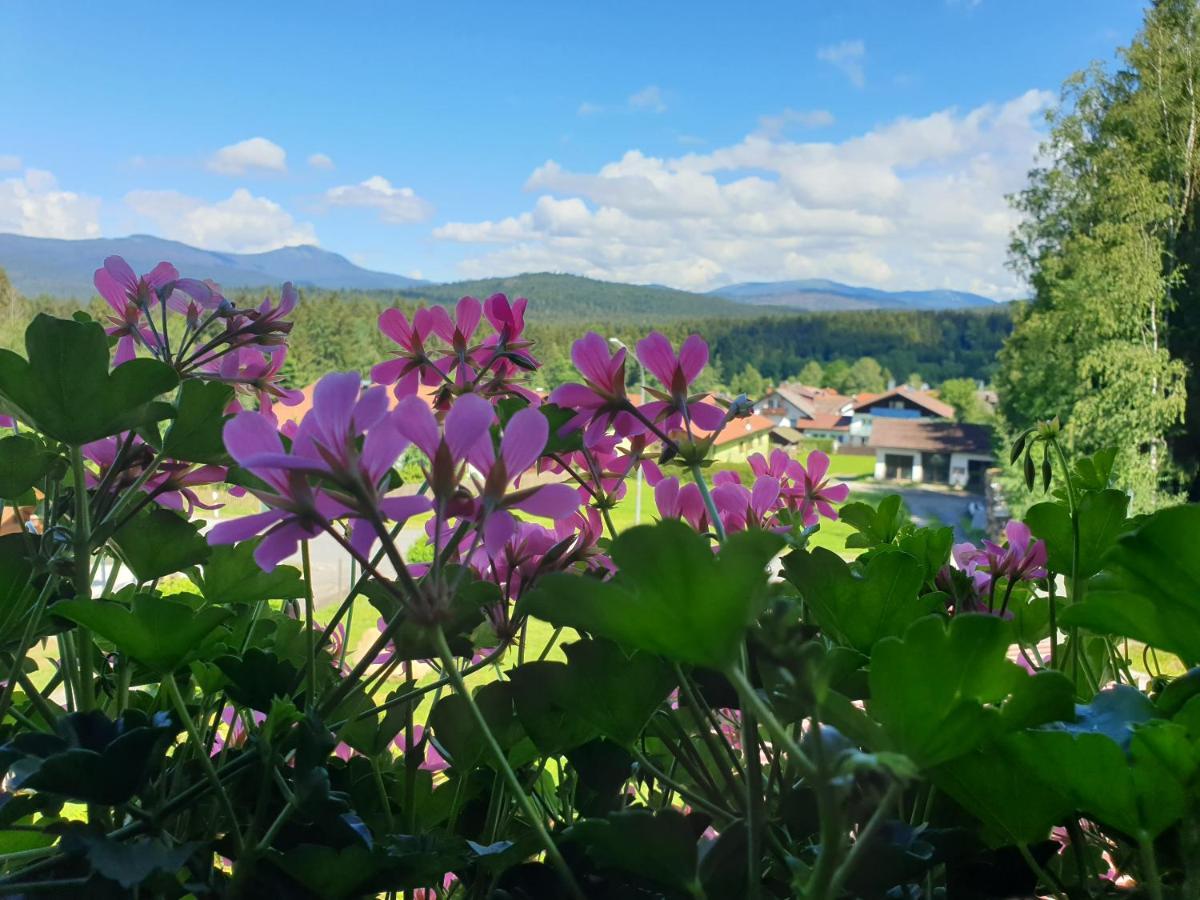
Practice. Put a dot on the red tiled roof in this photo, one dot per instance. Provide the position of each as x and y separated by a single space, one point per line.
926 401
930 437
739 429
824 422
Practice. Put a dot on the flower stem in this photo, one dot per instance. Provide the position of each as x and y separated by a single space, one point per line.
709 504
536 819
172 690
82 577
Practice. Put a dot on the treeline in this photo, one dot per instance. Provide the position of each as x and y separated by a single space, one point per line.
854 350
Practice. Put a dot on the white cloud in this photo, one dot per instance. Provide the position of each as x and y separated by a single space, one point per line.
34 205
775 125
913 203
649 99
396 206
847 57
254 154
589 109
9 163
242 223
320 161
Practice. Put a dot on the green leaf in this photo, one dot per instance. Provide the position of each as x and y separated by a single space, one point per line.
1101 521
66 391
23 463
600 690
232 577
159 632
459 734
1149 589
672 595
658 846
875 525
937 692
130 863
1145 789
549 712
257 678
195 434
860 610
929 546
158 542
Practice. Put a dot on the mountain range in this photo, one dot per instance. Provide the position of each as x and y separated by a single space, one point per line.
817 294
64 268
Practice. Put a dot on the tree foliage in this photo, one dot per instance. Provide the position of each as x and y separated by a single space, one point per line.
1108 243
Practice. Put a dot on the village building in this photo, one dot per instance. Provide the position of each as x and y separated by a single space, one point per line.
926 451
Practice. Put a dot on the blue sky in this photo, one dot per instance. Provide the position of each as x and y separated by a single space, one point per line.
692 145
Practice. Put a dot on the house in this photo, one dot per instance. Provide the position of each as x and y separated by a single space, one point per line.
898 403
928 451
803 412
741 437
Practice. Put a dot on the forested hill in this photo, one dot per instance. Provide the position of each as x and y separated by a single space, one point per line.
571 297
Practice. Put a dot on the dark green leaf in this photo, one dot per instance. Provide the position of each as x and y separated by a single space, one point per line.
159 632
860 610
66 391
1149 589
23 463
158 542
257 678
1101 522
672 595
231 576
657 846
195 434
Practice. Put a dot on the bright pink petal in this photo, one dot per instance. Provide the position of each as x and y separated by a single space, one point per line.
401 509
334 399
394 324
524 439
415 421
467 426
818 465
693 357
248 434
656 354
242 529
554 501
706 416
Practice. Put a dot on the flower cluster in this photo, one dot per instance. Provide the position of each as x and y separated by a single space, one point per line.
1020 559
216 340
453 356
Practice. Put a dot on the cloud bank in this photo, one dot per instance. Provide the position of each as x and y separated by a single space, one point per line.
917 202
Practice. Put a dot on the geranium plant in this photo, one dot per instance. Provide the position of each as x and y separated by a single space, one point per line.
708 706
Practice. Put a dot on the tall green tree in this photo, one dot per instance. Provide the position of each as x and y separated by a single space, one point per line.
1101 243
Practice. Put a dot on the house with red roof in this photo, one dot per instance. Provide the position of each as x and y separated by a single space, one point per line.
932 451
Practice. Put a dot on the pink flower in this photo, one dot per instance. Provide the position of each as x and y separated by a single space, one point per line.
681 502
600 402
326 445
1023 561
741 507
522 443
411 366
812 491
676 374
458 334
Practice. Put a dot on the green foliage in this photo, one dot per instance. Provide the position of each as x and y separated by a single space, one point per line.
672 596
160 633
66 390
1150 587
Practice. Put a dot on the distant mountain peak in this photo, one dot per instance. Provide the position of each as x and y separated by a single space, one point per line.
820 294
62 268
